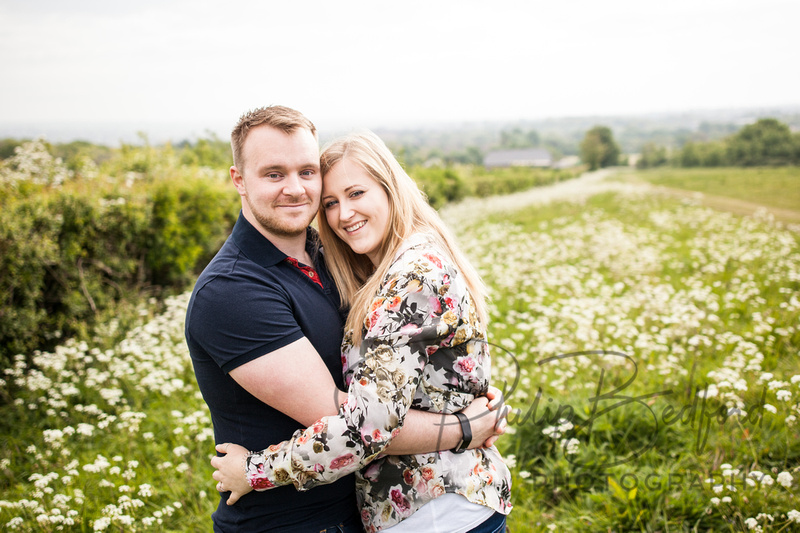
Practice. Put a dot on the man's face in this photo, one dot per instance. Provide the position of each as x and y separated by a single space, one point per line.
280 183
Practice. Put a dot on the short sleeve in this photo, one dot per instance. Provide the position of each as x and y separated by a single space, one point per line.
235 323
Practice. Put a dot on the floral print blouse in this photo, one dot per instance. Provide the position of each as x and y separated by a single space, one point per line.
423 347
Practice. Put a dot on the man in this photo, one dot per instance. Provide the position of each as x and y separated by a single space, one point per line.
264 328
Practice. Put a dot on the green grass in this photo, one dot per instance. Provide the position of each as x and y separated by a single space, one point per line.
773 187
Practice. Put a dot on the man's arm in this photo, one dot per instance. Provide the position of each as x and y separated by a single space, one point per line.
301 387
294 380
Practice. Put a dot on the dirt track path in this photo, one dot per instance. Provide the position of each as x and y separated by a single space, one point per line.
584 186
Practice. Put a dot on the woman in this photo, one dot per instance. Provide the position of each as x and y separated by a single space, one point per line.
415 337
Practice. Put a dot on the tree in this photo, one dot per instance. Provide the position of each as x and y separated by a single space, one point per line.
767 142
652 155
598 148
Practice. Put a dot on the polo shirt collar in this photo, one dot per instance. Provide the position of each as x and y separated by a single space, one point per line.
257 247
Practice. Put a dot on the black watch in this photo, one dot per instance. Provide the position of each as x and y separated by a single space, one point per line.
466 433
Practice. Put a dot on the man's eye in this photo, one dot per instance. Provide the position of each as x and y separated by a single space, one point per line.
307 173
273 175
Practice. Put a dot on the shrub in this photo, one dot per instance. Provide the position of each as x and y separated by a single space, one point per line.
70 253
508 180
441 185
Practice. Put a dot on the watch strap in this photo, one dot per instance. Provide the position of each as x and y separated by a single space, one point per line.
466 433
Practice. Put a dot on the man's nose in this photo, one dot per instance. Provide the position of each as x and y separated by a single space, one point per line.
293 186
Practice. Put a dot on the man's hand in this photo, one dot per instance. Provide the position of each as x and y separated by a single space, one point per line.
230 471
487 418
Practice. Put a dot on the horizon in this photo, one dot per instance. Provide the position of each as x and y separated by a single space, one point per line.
113 133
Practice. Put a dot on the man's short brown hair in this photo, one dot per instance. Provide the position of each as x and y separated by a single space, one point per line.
283 118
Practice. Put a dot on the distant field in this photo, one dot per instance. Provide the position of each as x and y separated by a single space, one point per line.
771 187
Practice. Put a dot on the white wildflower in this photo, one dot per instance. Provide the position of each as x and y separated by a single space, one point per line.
180 450
85 429
102 523
777 384
570 446
783 395
785 479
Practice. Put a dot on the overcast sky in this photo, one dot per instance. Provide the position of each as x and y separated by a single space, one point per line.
371 63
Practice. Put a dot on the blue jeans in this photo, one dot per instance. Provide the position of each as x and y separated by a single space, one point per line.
494 524
351 525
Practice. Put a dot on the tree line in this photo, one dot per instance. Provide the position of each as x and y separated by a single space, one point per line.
767 142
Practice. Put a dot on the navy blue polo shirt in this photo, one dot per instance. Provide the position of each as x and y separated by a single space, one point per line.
248 302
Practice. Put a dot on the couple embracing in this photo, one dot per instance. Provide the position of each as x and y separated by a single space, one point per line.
352 360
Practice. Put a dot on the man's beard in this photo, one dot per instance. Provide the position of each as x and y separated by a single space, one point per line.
279 226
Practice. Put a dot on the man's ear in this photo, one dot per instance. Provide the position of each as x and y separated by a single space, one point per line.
238 181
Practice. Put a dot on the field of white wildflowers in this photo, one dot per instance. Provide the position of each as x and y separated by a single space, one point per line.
651 347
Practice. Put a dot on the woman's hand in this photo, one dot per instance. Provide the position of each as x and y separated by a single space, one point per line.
497 402
487 418
230 471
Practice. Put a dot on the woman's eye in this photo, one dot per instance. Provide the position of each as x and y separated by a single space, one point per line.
355 194
329 204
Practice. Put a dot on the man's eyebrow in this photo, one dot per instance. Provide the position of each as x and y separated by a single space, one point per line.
269 168
280 167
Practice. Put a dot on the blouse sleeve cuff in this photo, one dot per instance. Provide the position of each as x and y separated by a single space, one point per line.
261 472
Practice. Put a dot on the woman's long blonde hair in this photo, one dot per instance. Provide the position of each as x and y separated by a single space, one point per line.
355 276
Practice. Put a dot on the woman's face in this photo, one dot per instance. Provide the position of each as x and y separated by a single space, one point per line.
356 208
